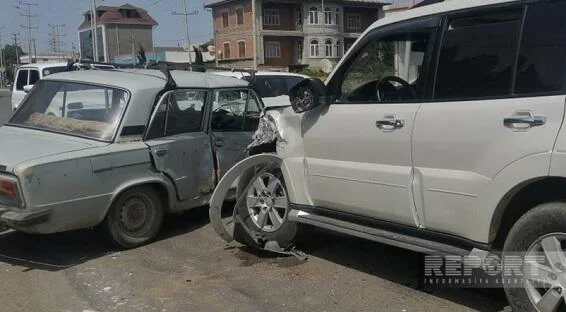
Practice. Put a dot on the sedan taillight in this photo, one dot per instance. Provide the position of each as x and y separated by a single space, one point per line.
9 192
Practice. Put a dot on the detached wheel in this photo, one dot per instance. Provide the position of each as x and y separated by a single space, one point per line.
135 217
266 209
540 232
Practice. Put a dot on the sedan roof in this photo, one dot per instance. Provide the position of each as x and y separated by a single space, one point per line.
138 79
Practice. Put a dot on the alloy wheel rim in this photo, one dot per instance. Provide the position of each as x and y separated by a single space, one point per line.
267 203
545 281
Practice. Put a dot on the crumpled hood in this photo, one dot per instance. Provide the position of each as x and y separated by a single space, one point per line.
18 145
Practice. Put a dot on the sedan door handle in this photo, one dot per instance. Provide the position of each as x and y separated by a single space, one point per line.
161 152
219 143
523 121
390 123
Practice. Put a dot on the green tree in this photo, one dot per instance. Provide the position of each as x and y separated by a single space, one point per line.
10 54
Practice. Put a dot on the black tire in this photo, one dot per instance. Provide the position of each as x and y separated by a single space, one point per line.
542 220
285 235
116 228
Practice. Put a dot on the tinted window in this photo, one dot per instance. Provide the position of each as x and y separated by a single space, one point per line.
52 70
478 55
541 64
33 76
22 79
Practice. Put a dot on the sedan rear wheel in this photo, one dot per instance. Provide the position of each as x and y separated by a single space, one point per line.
135 217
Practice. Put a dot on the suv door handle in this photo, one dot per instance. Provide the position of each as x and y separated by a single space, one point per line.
161 152
523 121
218 142
390 123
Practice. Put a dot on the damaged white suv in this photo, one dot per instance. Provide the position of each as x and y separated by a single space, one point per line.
440 131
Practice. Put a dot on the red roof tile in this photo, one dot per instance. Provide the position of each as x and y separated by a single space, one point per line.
117 15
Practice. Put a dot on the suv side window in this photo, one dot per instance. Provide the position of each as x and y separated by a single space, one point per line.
182 112
392 64
477 56
235 110
22 79
542 57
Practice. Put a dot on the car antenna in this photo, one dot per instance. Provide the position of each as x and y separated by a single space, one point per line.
171 84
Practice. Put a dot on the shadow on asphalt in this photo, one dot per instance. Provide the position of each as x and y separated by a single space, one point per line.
396 265
64 250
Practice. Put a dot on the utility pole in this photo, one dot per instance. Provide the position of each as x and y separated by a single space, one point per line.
254 30
133 42
34 50
2 62
94 31
187 14
16 46
29 27
56 35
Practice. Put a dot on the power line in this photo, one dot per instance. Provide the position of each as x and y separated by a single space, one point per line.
16 47
153 4
186 15
56 35
27 13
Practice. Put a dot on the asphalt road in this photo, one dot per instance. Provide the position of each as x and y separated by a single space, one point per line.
5 106
190 269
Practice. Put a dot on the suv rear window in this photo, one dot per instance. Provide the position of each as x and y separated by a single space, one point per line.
477 56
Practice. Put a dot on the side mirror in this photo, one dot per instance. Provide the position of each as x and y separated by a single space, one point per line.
27 88
75 105
308 94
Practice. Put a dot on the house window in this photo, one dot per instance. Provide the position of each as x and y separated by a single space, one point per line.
299 16
272 49
240 16
354 21
328 16
226 50
242 48
271 17
315 52
328 48
337 17
339 52
313 16
300 50
225 22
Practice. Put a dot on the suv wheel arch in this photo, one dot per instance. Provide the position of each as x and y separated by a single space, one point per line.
521 199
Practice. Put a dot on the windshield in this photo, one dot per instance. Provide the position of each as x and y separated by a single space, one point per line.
72 108
272 86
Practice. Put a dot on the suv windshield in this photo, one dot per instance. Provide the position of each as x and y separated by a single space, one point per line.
72 108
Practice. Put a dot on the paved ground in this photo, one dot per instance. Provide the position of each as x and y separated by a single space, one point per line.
190 269
5 106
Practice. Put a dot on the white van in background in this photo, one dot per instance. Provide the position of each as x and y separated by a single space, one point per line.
27 75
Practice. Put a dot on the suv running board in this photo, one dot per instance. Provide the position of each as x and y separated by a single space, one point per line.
379 235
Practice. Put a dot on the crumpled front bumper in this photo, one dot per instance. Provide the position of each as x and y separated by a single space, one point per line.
240 232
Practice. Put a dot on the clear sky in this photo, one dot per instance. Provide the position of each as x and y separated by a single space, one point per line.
170 31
